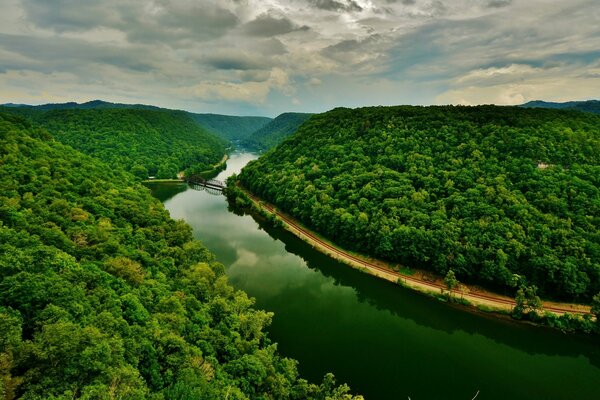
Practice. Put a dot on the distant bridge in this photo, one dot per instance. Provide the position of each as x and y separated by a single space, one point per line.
211 186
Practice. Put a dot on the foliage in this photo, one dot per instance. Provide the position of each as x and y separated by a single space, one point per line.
450 280
275 131
229 127
145 142
527 301
492 193
592 106
103 296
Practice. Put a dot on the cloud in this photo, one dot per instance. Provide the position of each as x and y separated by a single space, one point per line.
494 75
334 5
253 92
266 25
242 56
70 15
499 3
47 54
234 60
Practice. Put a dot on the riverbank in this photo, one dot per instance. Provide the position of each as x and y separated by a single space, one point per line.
422 281
218 167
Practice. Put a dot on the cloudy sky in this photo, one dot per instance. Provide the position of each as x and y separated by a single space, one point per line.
264 57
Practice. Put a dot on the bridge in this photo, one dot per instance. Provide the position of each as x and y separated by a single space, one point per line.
211 186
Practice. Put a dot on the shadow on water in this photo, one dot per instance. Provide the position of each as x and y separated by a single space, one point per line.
164 191
409 304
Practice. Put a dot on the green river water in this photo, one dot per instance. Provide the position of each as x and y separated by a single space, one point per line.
385 341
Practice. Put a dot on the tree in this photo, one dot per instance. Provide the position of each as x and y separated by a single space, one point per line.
450 280
527 301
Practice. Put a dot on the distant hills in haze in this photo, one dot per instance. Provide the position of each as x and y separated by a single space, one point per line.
592 106
90 105
233 128
276 131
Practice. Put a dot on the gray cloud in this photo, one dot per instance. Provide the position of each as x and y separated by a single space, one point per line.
234 60
334 5
180 22
248 55
70 15
47 54
266 25
499 3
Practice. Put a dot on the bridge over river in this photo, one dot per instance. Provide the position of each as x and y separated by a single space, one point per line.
212 186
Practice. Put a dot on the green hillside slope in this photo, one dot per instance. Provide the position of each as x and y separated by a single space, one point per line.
275 131
146 142
229 127
503 196
103 296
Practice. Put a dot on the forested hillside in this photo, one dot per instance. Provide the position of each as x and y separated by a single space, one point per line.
103 296
230 127
89 105
592 106
275 131
503 196
145 142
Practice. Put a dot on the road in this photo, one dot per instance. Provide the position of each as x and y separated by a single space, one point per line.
468 293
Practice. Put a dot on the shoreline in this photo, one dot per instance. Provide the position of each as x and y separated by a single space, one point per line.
419 280
181 175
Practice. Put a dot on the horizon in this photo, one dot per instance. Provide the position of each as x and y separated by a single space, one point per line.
255 58
291 112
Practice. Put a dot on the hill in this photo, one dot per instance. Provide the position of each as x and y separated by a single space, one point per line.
229 127
94 104
592 106
503 196
102 295
275 131
146 142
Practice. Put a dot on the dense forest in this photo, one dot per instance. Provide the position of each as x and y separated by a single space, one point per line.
592 106
275 131
145 142
229 127
502 196
89 105
103 296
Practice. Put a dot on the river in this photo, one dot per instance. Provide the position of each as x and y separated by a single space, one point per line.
385 341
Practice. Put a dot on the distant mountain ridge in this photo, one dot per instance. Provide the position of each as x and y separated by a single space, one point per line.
229 127
592 106
276 130
89 105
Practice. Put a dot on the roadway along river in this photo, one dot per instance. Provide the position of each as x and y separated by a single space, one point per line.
386 342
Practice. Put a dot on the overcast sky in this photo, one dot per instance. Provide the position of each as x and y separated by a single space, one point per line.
264 57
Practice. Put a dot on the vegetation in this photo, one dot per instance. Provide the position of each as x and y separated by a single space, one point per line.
94 104
158 143
228 127
592 106
488 192
275 131
103 296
